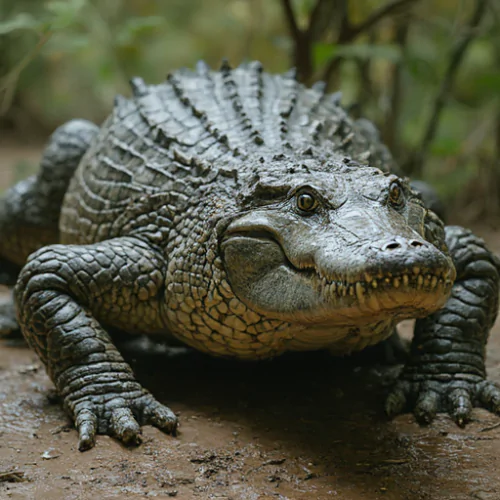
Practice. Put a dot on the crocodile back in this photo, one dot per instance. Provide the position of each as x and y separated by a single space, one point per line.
169 137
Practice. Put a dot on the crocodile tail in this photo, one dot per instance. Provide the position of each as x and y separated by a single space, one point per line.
30 210
63 153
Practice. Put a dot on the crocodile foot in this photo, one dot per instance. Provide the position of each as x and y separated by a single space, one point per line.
455 397
117 415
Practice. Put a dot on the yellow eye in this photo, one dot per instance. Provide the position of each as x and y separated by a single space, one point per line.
396 195
306 202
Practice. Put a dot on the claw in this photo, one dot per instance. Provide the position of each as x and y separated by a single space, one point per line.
461 406
86 424
427 406
124 426
121 419
159 416
397 399
489 396
164 419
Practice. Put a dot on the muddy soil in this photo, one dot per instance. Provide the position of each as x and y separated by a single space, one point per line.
300 427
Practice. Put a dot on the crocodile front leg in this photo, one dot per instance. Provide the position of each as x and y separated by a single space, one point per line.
62 295
446 371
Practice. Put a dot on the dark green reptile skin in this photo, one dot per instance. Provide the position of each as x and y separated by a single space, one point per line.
179 217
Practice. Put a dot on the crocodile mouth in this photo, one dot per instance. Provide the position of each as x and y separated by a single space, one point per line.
416 293
267 278
416 279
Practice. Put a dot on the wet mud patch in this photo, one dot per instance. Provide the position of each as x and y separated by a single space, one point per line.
305 426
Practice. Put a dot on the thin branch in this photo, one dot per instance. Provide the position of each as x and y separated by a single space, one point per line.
8 85
316 18
457 55
292 22
344 27
331 68
349 32
324 15
386 11
393 115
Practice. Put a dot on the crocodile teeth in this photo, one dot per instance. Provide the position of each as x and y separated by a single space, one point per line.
360 292
417 280
372 302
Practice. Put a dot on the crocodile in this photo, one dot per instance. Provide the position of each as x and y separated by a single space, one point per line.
245 215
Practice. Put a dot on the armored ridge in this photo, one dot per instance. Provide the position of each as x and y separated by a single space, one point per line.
246 215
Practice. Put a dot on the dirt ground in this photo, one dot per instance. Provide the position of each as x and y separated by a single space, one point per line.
299 427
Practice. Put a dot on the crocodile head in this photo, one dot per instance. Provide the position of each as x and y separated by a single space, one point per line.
338 245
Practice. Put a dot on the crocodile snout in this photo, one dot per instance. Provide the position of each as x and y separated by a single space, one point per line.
399 244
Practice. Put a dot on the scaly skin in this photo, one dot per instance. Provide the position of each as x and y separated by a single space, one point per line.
30 210
446 370
246 216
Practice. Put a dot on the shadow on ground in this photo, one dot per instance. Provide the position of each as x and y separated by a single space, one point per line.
303 426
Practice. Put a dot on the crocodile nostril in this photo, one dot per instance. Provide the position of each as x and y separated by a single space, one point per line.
392 246
416 243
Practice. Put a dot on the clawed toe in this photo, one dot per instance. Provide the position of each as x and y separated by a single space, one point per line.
426 407
124 426
460 406
164 419
86 424
396 402
457 400
122 421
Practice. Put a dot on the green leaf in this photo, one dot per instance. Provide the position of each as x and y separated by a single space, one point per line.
445 146
65 13
138 26
22 21
488 83
323 52
391 52
421 69
304 7
68 43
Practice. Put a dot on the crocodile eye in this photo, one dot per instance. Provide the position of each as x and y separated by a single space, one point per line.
396 195
306 202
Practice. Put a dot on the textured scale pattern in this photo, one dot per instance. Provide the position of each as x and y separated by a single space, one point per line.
180 129
161 222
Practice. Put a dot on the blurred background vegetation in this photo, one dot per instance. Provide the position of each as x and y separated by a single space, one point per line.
427 72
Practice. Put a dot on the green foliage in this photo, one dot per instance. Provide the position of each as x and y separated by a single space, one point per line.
323 52
21 21
65 58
